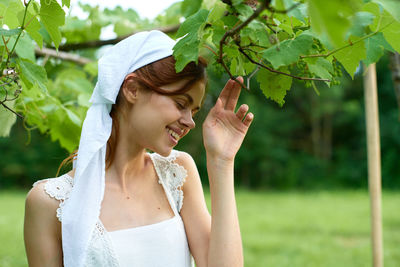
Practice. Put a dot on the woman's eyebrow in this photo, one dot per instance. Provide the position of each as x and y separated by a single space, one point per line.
189 98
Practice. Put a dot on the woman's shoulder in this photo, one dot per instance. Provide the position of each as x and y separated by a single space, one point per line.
47 195
181 158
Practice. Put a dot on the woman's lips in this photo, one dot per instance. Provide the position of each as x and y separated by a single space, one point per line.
173 136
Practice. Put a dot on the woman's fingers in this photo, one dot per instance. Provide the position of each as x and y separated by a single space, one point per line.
249 118
224 95
234 95
241 112
230 94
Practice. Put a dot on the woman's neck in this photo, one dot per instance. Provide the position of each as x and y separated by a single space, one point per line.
129 164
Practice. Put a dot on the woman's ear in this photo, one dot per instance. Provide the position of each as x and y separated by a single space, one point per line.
130 88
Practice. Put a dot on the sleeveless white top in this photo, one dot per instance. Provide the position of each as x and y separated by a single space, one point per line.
155 245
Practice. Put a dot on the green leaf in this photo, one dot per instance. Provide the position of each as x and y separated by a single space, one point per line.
391 6
9 12
25 47
288 51
320 67
12 32
189 7
7 119
332 18
274 85
66 3
34 25
360 21
351 56
32 73
187 48
185 51
217 11
52 16
193 23
376 46
298 12
385 23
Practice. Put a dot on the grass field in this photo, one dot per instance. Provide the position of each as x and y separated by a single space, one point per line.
278 229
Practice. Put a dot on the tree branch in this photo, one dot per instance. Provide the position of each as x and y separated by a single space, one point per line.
62 55
19 115
99 43
232 32
277 71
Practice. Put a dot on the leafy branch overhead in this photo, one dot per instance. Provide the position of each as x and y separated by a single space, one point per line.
304 40
48 60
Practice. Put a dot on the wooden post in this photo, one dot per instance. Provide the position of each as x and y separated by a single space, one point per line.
374 163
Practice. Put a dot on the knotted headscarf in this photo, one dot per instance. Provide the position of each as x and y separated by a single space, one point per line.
82 209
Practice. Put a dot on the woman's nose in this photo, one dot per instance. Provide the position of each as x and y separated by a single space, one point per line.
187 120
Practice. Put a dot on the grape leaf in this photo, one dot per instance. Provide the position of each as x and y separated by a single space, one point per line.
327 20
350 56
7 119
189 7
296 12
376 46
9 13
186 49
32 25
391 6
31 73
360 21
66 3
321 67
288 51
25 48
52 16
4 32
274 85
193 23
385 23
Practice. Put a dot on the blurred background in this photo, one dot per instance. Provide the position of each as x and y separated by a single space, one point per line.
301 174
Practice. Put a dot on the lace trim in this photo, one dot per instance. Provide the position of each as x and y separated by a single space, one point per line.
173 175
58 188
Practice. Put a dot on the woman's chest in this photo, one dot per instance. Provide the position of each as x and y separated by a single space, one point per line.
122 210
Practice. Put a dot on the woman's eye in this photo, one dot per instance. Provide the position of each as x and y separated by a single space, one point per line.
179 105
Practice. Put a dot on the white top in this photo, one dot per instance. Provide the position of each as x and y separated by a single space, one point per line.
160 244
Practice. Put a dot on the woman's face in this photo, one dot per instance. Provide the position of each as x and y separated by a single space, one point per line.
158 122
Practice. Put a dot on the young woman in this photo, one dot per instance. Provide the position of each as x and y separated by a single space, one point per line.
123 206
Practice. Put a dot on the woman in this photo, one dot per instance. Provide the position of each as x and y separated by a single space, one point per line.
122 206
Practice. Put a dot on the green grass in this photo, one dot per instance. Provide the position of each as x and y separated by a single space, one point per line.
278 229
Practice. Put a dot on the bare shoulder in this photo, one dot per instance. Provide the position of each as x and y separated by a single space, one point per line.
185 159
38 201
42 229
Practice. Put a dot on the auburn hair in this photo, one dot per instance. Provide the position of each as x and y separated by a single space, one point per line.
149 77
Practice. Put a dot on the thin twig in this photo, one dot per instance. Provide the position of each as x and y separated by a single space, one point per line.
232 32
348 45
19 35
4 105
280 72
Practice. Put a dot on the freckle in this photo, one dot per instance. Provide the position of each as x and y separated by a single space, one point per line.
158 208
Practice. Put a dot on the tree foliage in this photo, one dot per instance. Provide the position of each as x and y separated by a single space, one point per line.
270 42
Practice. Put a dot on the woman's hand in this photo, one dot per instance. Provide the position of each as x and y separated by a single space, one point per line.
223 129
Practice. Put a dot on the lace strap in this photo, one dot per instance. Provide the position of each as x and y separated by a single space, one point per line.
58 188
172 174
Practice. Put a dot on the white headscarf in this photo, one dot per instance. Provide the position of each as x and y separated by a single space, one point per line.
82 210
